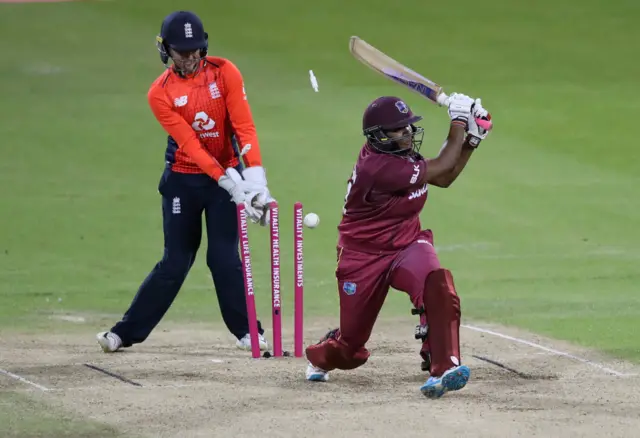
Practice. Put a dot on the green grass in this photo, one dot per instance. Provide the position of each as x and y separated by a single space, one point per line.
544 220
27 417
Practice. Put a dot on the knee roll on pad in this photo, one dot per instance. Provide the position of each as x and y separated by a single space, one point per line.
332 354
331 334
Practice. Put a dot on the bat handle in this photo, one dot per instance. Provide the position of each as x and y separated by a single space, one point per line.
442 99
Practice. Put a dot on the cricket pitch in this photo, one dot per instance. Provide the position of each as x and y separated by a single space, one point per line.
191 381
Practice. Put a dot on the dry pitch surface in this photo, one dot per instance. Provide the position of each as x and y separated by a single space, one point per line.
195 383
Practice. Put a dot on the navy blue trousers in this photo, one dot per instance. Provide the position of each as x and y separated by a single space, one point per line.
184 198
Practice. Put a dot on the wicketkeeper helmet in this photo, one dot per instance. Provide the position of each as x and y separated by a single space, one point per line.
182 31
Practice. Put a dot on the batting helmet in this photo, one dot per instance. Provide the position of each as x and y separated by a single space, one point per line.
182 31
389 113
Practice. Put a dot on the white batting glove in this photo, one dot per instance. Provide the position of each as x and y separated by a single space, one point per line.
478 109
460 107
476 132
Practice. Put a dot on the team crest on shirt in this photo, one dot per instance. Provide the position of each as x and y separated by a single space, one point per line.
349 288
214 90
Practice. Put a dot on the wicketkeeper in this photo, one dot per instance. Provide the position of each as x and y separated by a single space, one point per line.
382 244
201 103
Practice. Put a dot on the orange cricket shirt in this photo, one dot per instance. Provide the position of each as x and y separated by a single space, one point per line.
204 114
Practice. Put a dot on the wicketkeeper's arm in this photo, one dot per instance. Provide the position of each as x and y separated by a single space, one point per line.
178 128
245 130
240 115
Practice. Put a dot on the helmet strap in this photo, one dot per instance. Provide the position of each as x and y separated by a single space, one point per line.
163 49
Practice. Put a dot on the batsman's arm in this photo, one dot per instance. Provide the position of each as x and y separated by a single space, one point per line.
447 179
400 174
446 161
178 128
240 115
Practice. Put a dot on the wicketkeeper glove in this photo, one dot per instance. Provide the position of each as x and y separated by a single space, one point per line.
240 190
258 200
233 183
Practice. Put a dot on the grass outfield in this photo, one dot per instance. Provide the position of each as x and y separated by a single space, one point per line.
27 417
540 231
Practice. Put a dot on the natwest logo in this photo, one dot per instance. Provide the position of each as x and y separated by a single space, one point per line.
204 123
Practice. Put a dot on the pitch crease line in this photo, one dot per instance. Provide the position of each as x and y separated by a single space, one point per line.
547 349
23 380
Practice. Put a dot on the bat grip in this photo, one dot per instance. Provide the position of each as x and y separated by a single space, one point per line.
484 124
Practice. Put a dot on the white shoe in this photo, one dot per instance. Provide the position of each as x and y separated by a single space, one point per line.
245 343
109 341
315 374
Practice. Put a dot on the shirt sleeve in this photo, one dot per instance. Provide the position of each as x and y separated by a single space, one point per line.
240 115
397 174
178 128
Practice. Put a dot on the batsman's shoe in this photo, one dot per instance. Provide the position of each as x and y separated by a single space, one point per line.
452 380
315 374
245 343
109 341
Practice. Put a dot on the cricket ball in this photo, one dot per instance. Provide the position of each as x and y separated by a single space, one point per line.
311 220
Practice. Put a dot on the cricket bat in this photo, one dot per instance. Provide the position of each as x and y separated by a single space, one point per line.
392 69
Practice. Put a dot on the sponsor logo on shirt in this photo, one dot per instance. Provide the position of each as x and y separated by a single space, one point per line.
180 101
418 193
416 173
203 125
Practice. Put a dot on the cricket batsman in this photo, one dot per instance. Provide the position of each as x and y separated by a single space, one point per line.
381 243
200 102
